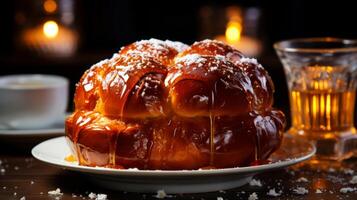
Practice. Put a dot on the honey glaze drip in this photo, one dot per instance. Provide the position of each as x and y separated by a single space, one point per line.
212 129
87 150
80 120
113 149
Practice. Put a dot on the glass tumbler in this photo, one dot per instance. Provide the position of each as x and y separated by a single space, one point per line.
321 77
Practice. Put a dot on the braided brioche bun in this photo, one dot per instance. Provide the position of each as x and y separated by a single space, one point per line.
165 105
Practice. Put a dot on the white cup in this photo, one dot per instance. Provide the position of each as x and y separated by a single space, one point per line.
32 101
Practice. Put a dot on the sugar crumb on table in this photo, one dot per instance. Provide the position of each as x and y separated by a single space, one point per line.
160 194
347 190
354 180
273 193
102 197
302 179
255 182
348 171
300 191
56 192
318 191
92 195
253 196
331 170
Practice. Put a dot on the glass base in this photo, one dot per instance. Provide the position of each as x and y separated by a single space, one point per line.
337 145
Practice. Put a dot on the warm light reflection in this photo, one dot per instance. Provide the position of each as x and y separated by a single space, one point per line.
50 6
50 29
233 31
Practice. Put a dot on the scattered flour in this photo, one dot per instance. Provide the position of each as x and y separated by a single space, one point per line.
302 179
255 182
318 191
347 190
101 197
161 194
353 180
92 195
300 191
348 171
253 196
56 192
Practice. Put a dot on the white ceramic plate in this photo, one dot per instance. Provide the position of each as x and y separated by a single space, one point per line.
54 151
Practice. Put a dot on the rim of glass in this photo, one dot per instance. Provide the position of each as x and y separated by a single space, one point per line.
284 45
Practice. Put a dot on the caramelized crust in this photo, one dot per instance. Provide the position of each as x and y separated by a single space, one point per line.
164 105
213 83
132 77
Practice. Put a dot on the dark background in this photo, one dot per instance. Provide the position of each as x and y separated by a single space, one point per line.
104 26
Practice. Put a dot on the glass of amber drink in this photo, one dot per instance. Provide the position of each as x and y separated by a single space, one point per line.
322 74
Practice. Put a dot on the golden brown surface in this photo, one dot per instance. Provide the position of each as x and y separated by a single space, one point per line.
164 105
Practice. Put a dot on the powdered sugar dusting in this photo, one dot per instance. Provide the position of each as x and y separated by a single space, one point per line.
178 46
101 63
191 59
136 62
162 45
157 44
209 41
219 46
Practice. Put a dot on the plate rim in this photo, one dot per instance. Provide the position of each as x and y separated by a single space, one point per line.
130 172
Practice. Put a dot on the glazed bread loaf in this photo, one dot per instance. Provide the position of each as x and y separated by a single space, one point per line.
165 105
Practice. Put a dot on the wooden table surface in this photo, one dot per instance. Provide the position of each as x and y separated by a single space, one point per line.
23 176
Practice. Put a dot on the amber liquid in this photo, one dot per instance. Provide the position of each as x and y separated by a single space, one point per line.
323 109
